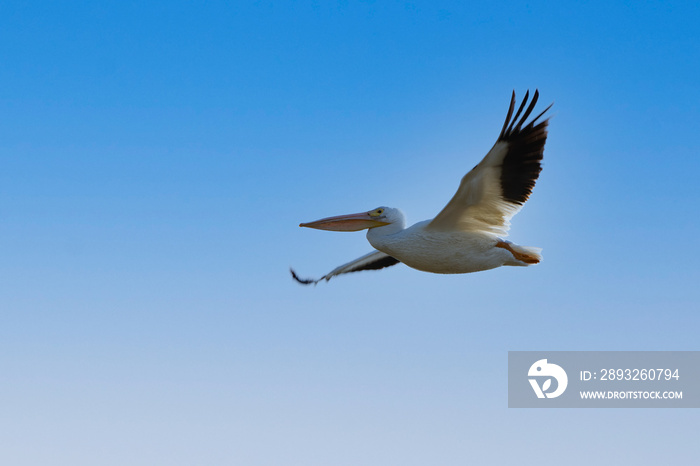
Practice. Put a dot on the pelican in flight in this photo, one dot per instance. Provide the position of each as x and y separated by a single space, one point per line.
468 234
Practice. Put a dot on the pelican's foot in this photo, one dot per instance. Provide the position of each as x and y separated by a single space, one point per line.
521 256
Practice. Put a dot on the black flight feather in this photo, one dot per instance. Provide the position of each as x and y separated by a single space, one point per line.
522 164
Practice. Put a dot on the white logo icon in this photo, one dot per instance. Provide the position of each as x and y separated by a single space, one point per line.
543 369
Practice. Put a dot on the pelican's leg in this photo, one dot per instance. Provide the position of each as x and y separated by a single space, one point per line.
521 256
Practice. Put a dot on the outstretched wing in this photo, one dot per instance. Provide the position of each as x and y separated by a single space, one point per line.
499 185
373 261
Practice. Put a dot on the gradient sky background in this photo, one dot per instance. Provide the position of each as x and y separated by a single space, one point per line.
157 157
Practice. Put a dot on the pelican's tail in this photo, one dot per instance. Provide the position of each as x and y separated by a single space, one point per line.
522 255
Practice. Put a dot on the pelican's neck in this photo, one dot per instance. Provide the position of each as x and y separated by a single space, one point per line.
379 237
377 233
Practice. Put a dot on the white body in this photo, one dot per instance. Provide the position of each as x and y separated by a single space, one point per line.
443 252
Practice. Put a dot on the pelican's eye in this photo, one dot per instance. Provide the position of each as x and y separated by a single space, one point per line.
376 213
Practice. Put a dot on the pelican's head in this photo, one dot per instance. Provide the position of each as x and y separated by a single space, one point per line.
379 217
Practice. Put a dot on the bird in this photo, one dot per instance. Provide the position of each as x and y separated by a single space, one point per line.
468 234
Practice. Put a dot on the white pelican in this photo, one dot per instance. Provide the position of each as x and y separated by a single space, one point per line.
467 235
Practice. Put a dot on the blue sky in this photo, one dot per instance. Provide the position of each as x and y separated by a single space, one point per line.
156 159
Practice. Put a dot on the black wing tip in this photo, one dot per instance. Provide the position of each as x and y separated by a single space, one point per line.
522 163
510 114
515 125
378 264
303 281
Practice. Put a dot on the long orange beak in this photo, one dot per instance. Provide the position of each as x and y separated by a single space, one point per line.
353 222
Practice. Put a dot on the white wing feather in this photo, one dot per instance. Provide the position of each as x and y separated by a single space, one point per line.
495 190
478 204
